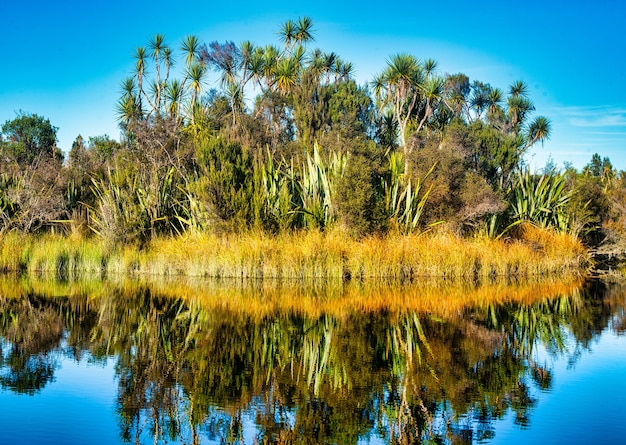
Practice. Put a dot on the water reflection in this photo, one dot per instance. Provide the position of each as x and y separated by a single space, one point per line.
240 363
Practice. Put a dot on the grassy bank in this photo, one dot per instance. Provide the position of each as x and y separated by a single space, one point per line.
305 255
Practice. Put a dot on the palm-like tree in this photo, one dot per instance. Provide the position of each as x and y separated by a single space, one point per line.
168 60
294 34
304 31
479 100
327 64
196 72
286 74
345 71
247 50
518 89
190 47
495 113
235 93
457 89
173 97
430 66
128 108
140 69
519 108
397 88
432 94
411 90
316 62
538 131
270 62
158 49
153 93
287 35
256 66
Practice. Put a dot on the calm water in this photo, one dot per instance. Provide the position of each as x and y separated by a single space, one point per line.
105 364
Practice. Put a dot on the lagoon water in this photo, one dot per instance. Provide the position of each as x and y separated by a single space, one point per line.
113 363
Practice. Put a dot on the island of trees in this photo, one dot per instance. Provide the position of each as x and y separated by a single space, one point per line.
266 160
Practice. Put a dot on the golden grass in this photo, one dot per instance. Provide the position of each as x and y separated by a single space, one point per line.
304 255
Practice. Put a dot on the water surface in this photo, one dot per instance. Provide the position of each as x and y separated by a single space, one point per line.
253 363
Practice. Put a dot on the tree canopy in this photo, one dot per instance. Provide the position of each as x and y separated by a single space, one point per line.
29 136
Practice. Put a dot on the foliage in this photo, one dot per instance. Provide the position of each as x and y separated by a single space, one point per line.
116 216
278 187
316 187
103 147
145 99
31 197
460 195
360 206
595 200
495 155
28 137
404 202
223 182
410 92
294 255
541 200
588 206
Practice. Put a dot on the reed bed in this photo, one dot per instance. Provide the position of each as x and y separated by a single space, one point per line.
67 256
304 255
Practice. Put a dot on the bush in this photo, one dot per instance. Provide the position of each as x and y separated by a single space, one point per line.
459 195
359 206
224 182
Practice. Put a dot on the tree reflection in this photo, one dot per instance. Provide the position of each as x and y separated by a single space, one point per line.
32 329
188 372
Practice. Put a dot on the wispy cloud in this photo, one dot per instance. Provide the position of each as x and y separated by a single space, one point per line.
600 121
593 117
607 133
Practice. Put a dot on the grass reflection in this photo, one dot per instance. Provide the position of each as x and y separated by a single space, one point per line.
259 299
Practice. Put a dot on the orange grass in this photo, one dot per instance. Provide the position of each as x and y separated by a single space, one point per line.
335 255
306 255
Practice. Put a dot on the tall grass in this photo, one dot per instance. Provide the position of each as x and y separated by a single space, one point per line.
13 248
311 254
67 256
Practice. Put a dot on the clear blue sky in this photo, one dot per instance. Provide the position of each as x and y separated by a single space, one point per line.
65 59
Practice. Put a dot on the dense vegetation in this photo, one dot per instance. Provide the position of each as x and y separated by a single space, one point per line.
222 138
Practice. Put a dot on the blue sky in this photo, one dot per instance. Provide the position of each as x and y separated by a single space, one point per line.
64 60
